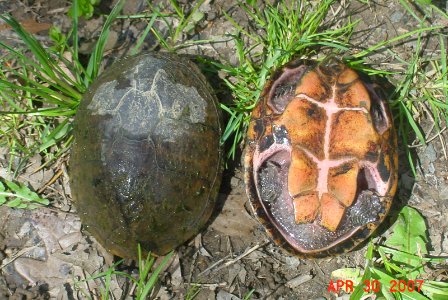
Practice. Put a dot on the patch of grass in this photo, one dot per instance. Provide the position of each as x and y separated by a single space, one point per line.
18 195
176 27
143 285
282 32
192 292
423 91
420 95
399 268
146 282
85 8
40 89
171 29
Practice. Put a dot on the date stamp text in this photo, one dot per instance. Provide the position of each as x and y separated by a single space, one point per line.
374 286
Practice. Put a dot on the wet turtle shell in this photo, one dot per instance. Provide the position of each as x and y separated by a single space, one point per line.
321 158
146 164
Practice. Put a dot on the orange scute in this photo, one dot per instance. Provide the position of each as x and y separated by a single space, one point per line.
331 211
352 135
306 125
302 175
347 76
312 86
306 208
342 182
356 95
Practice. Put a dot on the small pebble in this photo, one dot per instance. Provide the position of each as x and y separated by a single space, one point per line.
431 179
444 193
431 168
292 261
235 181
211 15
430 153
396 16
299 280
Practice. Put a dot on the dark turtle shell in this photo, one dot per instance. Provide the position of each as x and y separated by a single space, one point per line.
321 158
146 164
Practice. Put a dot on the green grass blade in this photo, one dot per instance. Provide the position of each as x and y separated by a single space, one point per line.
148 28
74 31
405 4
177 8
97 56
56 135
41 73
154 276
444 69
375 47
412 123
184 21
35 47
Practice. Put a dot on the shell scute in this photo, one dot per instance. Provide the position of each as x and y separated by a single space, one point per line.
311 119
332 211
302 174
306 207
342 182
353 95
351 135
312 86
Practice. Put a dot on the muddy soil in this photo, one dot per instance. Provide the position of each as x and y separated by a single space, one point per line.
44 253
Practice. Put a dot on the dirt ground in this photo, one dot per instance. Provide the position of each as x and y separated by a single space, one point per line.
43 253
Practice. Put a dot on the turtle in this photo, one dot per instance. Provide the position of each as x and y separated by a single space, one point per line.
320 161
146 163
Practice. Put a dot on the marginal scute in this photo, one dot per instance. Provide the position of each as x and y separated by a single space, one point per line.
259 127
281 92
347 76
381 120
384 167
